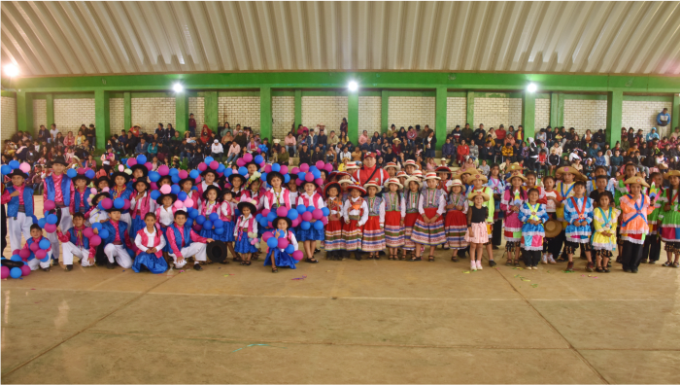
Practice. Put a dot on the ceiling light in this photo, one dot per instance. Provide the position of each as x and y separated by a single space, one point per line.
532 87
353 86
11 70
178 87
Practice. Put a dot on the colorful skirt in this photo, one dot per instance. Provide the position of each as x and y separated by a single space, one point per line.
137 224
244 246
670 226
480 234
373 236
456 228
281 258
532 237
150 261
654 220
513 228
351 235
394 231
333 236
409 222
311 234
429 234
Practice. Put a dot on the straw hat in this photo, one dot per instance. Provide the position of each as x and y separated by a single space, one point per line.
473 194
371 184
457 182
570 170
417 173
396 140
475 177
432 175
390 165
402 174
552 228
351 165
394 181
516 176
637 180
413 179
514 167
411 162
671 173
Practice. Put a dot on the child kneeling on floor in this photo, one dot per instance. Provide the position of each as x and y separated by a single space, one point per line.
150 243
281 257
73 242
185 243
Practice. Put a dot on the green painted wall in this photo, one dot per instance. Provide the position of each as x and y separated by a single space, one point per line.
614 116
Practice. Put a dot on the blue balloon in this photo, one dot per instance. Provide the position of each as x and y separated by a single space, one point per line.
305 225
263 222
175 189
313 168
293 214
194 174
272 242
271 216
259 159
71 173
52 219
286 178
207 225
119 203
15 273
193 213
182 196
318 225
228 171
208 160
155 194
301 175
276 167
258 217
173 172
200 219
243 171
104 233
311 209
175 179
90 174
220 168
301 209
5 169
263 176
317 174
141 159
218 223
13 164
16 258
219 230
190 221
237 213
44 244
214 217
326 211
290 249
47 258
42 222
97 226
154 176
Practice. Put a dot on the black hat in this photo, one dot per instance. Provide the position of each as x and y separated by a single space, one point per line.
332 184
217 251
112 209
272 174
252 162
81 176
275 222
237 175
59 159
168 177
159 200
192 180
102 179
120 173
98 195
18 172
141 180
207 170
141 167
211 187
248 204
304 182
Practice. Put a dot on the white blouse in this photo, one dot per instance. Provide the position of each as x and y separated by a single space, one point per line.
347 211
151 239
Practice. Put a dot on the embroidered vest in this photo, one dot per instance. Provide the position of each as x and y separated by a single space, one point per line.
73 238
65 189
374 206
156 242
81 198
13 205
179 241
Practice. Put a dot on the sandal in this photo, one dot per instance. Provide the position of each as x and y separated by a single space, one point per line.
454 259
275 270
676 265
508 262
667 264
377 257
515 262
430 258
248 263
311 260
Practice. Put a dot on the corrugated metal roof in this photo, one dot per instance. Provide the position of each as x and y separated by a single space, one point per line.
89 38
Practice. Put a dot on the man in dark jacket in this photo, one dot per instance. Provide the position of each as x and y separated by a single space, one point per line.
305 154
467 134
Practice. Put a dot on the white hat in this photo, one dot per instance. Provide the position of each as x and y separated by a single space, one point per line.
277 141
394 181
432 175
371 184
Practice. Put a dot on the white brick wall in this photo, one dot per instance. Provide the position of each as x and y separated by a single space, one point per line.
324 110
492 112
642 115
542 114
117 115
9 118
411 110
70 114
370 111
585 115
456 113
283 115
197 107
40 114
148 112
239 109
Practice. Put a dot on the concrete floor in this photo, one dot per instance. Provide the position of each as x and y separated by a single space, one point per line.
368 322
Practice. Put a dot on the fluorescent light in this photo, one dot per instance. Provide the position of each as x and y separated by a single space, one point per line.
353 86
11 70
178 87
532 87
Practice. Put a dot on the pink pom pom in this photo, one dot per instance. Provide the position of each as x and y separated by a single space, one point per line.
304 167
307 216
16 252
214 164
283 243
25 270
197 227
309 177
266 236
34 247
88 233
40 254
107 203
240 162
121 168
329 167
298 182
297 221
265 212
202 167
295 170
183 174
163 170
197 180
282 211
297 255
148 166
93 191
25 253
132 162
320 164
270 225
105 189
153 186
284 170
268 168
247 157
324 220
319 182
49 205
188 202
126 206
50 228
81 171
317 214
95 240
166 189
5 272
179 204
25 167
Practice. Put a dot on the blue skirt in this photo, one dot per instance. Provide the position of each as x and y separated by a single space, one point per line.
154 264
243 245
310 235
228 235
137 224
207 233
281 258
167 244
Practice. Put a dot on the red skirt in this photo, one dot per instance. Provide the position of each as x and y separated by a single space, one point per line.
409 221
351 235
394 231
333 236
373 238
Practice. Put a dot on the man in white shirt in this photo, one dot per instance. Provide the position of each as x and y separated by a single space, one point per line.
53 133
217 150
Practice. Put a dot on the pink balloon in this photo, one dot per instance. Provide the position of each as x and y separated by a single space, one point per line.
183 174
49 205
319 182
304 167
284 170
25 167
266 236
197 227
282 211
166 189
121 168
317 214
265 212
95 240
50 228
270 225
324 220
283 243
329 167
240 162
107 203
25 253
126 206
16 252
34 247
297 255
105 189
132 162
202 167
247 157
153 186
297 221
295 170
88 233
309 177
214 165
188 202
307 216
81 171
93 191
25 270
179 204
268 168
41 254
320 164
298 182
148 166
5 272
163 170
198 180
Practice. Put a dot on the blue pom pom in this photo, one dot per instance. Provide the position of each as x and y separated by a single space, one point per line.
44 244
258 217
228 171
290 249
155 194
259 159
175 189
5 169
220 168
276 167
141 159
301 175
119 203
218 223
317 174
271 216
15 273
97 226
175 179
16 258
326 211
13 164
207 225
272 242
194 174
173 172
154 176
104 233
311 209
318 225
263 177
208 160
301 209
286 178
263 222
305 225
182 196
90 174
200 219
52 219
243 171
42 222
293 215
193 213
219 230
190 222
71 173
213 217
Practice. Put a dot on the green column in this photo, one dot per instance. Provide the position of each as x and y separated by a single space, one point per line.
211 110
470 108
49 101
529 113
556 110
181 113
298 108
440 116
384 111
24 111
353 117
614 116
266 113
675 112
127 119
102 119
